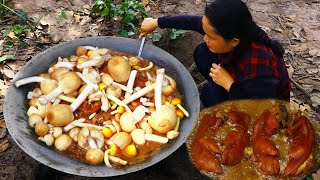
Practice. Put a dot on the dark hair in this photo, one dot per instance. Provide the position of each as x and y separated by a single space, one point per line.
232 19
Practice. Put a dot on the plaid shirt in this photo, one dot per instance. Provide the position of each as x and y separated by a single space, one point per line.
257 60
253 66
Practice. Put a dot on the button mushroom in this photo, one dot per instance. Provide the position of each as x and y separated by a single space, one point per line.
138 136
163 119
68 83
90 138
34 119
94 156
48 139
62 142
121 139
41 129
60 115
48 85
119 69
128 120
170 88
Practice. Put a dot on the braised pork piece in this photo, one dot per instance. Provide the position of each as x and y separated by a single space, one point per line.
254 139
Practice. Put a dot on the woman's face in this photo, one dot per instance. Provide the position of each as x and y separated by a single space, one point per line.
215 42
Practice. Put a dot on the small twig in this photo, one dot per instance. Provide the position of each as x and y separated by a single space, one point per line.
300 87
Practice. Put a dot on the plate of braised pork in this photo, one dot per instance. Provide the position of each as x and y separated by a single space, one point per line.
255 139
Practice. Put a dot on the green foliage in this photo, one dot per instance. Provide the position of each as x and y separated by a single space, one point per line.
129 13
16 28
174 33
156 35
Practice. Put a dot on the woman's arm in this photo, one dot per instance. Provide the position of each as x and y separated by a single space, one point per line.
185 22
178 22
255 88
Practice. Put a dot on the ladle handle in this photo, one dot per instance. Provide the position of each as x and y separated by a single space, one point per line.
141 46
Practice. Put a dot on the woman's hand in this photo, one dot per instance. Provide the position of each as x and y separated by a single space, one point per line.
220 76
148 25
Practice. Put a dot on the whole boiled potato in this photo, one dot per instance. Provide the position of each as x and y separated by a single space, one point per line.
119 69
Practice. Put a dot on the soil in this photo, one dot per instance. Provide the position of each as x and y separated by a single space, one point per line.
294 23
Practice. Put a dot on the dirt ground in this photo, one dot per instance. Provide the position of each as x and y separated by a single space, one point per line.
296 24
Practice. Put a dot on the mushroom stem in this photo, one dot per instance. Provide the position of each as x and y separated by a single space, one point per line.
84 94
43 100
177 125
68 65
185 112
29 80
156 138
106 158
70 126
67 99
130 83
158 88
146 68
105 103
79 124
117 160
172 134
86 80
89 47
125 88
119 102
140 93
89 63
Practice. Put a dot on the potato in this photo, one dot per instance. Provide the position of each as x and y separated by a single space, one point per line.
119 69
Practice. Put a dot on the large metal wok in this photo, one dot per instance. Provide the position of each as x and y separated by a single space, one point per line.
16 105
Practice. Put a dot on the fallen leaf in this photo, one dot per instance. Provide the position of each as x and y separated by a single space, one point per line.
77 18
314 52
144 2
9 73
3 87
6 57
198 2
300 47
3 132
4 145
12 35
3 123
305 107
290 70
315 100
312 70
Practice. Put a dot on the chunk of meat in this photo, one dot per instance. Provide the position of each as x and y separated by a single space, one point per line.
302 137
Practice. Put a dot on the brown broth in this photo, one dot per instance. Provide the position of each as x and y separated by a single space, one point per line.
246 169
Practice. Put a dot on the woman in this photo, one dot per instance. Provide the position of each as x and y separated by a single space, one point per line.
238 58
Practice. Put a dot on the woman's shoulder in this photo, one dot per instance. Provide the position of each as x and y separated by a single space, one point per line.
260 51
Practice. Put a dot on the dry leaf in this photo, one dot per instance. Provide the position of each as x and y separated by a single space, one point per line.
9 73
314 52
3 123
77 18
198 2
312 70
144 2
290 70
300 47
315 100
12 36
3 87
3 132
4 145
